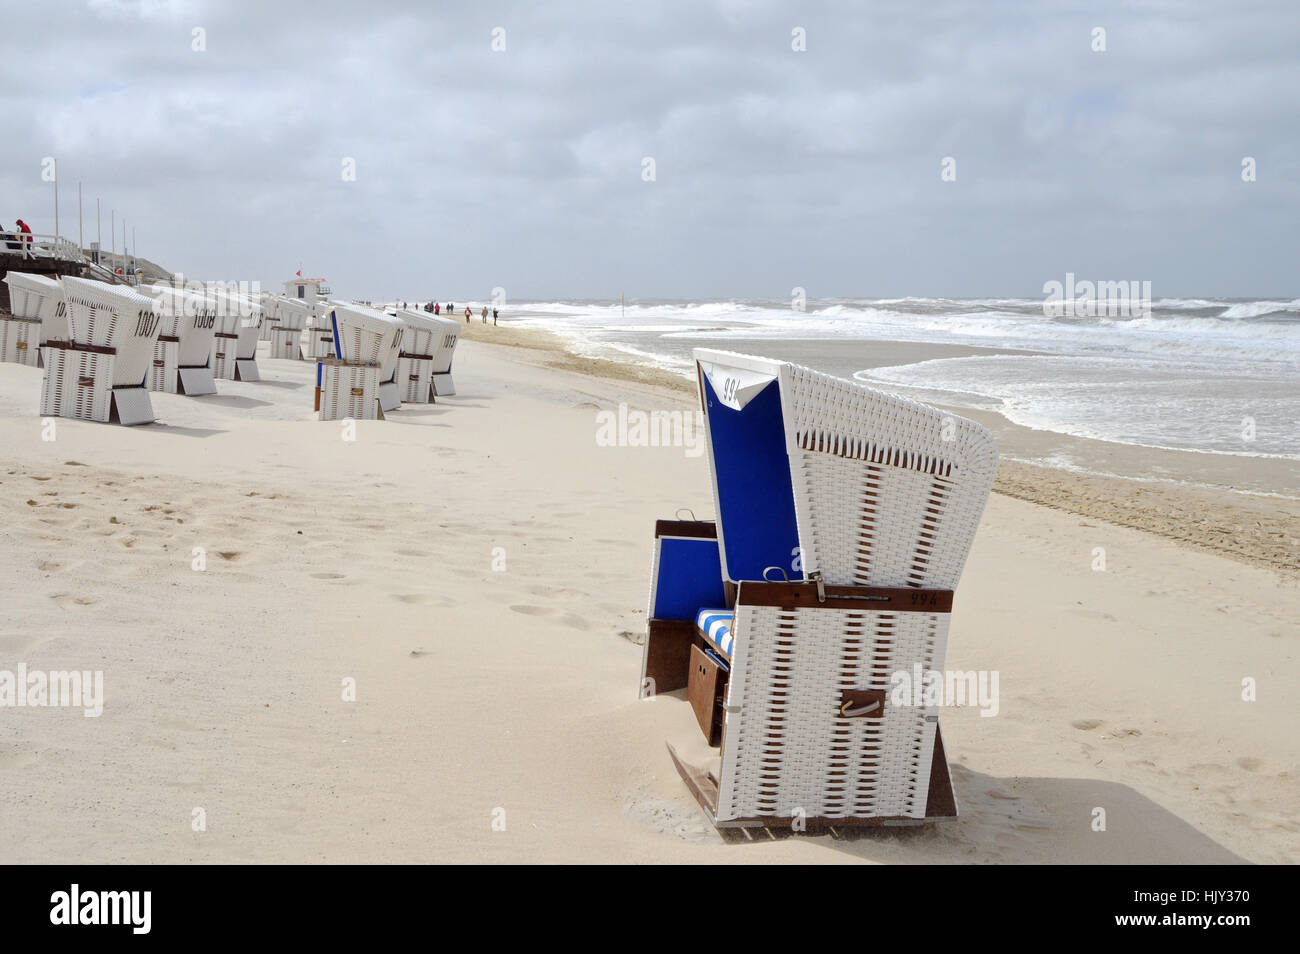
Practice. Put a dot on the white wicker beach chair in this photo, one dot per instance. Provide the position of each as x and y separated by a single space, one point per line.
288 318
845 516
444 349
414 376
186 333
39 314
100 373
347 382
234 346
268 303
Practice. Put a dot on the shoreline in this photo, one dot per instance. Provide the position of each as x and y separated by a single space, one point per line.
1251 528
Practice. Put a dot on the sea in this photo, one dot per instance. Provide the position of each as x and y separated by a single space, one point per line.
1211 376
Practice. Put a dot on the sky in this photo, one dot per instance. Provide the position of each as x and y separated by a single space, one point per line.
566 150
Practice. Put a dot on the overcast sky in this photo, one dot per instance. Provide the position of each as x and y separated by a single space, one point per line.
774 168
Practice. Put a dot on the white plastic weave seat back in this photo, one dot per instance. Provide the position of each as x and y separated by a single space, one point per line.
421 332
365 336
444 345
39 297
189 317
109 316
291 315
872 489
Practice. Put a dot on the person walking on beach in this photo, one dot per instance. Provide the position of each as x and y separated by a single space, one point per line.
494 317
485 314
468 314
437 308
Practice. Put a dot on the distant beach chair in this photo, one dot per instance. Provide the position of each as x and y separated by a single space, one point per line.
288 318
444 350
845 516
347 381
234 345
98 374
267 301
414 375
39 314
187 330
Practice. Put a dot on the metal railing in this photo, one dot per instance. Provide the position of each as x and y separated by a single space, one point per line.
38 245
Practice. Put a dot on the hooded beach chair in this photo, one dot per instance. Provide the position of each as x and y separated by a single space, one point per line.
444 349
844 517
186 333
234 345
288 318
267 301
39 314
99 373
347 382
414 375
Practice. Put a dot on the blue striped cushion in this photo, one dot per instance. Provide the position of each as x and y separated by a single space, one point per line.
715 624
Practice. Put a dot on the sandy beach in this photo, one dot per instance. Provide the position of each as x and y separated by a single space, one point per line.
474 574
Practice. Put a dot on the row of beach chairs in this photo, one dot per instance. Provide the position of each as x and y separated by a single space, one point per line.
105 347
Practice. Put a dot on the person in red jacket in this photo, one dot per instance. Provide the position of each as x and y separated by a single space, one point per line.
26 237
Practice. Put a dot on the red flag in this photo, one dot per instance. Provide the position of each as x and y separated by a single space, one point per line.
300 273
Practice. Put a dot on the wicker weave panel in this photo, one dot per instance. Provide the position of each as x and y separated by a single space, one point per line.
888 492
19 341
414 378
787 746
284 343
349 391
63 394
162 373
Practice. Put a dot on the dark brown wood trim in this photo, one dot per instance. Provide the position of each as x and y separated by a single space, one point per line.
169 338
876 599
222 334
77 346
417 357
702 529
668 653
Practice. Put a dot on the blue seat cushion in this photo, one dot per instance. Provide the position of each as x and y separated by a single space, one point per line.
715 626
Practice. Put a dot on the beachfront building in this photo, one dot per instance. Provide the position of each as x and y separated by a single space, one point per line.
307 290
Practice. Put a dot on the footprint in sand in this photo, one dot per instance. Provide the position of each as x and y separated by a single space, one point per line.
558 592
48 566
328 576
1086 724
63 599
229 555
534 610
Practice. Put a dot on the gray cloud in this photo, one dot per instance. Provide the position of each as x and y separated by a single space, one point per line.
774 168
